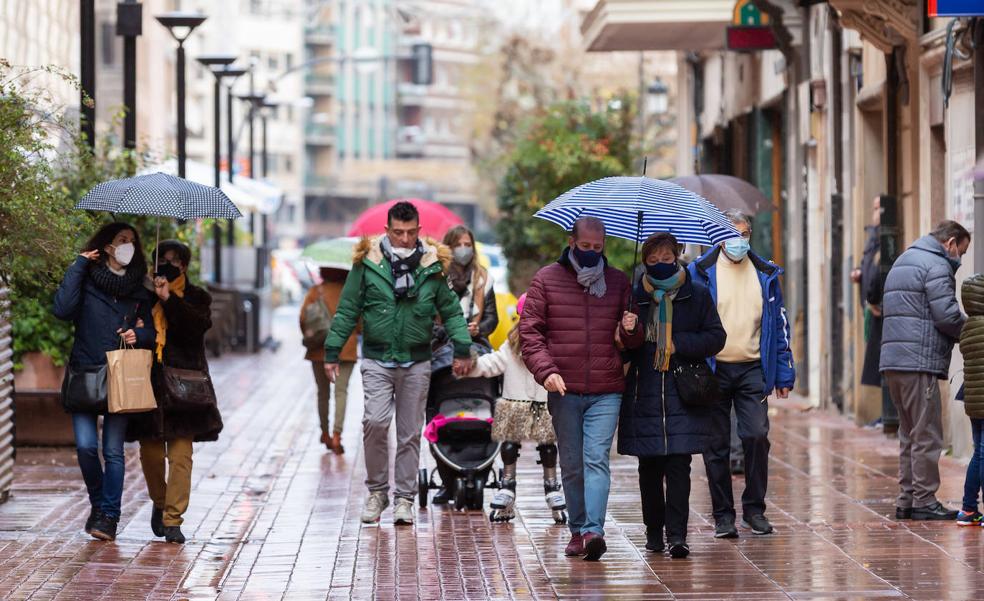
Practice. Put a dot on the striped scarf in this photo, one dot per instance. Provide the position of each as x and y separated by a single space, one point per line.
659 330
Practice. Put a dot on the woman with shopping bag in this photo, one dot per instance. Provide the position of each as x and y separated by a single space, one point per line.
187 410
104 294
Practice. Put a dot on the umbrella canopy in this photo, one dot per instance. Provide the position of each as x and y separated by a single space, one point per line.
726 192
159 194
435 219
334 253
633 208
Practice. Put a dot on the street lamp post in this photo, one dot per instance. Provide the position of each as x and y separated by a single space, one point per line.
218 65
129 19
255 102
180 24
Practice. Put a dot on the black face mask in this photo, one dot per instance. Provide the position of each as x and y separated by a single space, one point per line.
586 258
662 271
168 271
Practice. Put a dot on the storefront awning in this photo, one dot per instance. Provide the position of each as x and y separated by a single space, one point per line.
249 195
657 25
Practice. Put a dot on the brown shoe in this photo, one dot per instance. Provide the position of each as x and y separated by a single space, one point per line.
326 440
336 443
575 547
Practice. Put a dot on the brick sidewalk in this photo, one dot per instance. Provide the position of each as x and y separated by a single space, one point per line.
272 516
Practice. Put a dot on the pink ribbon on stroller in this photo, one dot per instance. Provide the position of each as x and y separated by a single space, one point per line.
439 421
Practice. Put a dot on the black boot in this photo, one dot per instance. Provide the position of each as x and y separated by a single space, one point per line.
104 528
93 516
157 521
654 541
173 534
679 549
441 497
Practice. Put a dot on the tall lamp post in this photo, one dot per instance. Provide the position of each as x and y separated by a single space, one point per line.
180 24
255 104
218 65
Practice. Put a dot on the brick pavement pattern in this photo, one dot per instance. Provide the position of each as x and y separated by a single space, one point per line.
273 516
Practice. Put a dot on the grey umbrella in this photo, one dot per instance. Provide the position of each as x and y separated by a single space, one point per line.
726 192
159 194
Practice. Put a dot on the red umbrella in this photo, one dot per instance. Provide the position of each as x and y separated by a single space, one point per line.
435 219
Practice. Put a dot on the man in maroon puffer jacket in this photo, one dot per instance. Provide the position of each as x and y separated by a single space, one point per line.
573 309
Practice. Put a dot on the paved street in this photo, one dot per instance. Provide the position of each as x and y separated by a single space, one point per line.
273 516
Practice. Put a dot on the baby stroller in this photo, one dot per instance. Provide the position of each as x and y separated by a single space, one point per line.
464 449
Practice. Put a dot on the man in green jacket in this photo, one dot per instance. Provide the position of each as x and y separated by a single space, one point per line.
397 286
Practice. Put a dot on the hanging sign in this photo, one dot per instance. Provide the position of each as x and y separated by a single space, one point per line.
749 29
955 8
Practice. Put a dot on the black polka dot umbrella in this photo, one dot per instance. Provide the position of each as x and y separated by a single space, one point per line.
162 195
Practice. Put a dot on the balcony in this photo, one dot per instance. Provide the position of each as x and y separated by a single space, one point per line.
411 94
320 34
320 84
319 134
318 184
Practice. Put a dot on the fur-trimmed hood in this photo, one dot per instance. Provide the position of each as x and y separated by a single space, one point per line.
434 251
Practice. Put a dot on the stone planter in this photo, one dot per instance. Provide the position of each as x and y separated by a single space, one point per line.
40 418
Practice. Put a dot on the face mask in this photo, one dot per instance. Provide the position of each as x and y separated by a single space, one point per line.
463 255
403 253
736 248
586 258
662 271
124 253
169 271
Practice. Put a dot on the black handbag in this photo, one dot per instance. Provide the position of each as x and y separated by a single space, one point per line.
696 383
84 389
187 389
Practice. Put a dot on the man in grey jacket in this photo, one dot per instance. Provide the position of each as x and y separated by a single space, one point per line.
922 321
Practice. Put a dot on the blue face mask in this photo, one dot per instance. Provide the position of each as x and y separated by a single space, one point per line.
586 258
662 271
737 248
955 262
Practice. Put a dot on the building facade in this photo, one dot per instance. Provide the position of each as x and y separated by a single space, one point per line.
849 105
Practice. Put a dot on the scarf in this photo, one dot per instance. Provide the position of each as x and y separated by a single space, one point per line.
592 278
459 277
402 269
160 320
659 330
117 286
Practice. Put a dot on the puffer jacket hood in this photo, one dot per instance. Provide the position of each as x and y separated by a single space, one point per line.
434 252
921 317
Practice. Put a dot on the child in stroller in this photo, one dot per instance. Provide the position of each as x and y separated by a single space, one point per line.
520 415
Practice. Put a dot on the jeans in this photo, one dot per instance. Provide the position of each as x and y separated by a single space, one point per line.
742 385
975 471
105 487
669 509
585 425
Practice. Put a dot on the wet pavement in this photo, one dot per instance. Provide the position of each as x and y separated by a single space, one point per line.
273 516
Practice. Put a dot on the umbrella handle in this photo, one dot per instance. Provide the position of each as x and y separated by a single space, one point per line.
635 261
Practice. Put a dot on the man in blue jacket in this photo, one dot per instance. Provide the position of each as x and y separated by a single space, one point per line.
756 361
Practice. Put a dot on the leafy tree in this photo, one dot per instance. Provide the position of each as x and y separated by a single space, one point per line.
563 146
45 168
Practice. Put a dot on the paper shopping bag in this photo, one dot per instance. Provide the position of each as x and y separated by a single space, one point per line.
130 390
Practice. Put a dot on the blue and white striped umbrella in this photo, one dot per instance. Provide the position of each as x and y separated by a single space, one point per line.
664 207
159 194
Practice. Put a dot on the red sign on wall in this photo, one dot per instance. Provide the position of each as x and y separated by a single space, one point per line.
748 38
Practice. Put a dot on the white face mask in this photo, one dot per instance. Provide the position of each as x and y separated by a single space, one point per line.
403 253
124 253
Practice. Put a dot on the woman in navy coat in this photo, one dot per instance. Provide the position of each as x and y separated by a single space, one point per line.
680 320
105 294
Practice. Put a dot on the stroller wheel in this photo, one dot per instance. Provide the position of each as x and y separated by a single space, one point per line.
477 497
423 485
460 494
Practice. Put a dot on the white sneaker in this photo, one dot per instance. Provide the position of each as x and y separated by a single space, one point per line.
374 507
403 511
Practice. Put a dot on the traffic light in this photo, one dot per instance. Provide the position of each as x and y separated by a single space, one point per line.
423 64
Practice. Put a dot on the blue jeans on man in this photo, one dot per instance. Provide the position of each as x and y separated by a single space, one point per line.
105 486
585 426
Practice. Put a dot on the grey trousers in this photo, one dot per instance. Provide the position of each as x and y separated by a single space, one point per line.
403 391
917 397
